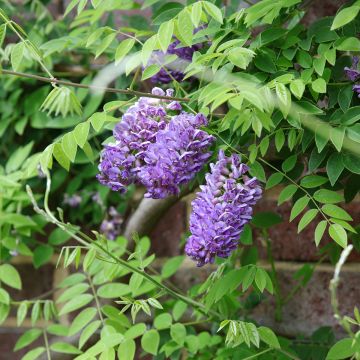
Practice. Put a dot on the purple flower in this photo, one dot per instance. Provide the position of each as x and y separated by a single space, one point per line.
179 152
72 200
353 73
221 209
120 161
356 88
111 226
185 55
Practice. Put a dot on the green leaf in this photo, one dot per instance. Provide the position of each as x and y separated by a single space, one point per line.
289 163
126 350
34 353
42 254
336 212
21 313
72 292
81 133
257 170
4 312
165 34
163 321
60 156
150 341
76 303
179 309
334 167
97 120
297 87
274 180
147 49
196 12
113 290
319 231
348 44
307 218
327 196
213 11
343 349
150 71
171 266
299 206
260 279
27 338
268 337
284 97
266 219
10 276
287 193
35 312
279 139
17 54
344 16
319 85
123 49
185 26
2 34
81 320
105 43
241 57
312 181
18 157
338 233
337 137
351 162
4 297
88 332
135 331
64 348
178 333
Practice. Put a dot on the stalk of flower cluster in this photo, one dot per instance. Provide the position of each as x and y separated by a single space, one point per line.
221 209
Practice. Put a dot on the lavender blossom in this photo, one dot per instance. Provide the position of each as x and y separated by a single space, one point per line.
179 152
120 161
111 226
221 209
185 55
356 88
353 73
72 200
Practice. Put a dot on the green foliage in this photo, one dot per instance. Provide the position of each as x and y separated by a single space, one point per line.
277 96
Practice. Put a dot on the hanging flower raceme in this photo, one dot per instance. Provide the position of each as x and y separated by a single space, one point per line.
353 74
185 54
160 151
179 152
120 161
221 209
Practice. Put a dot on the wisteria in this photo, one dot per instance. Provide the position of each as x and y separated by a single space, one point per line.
165 76
179 152
353 74
153 148
221 209
111 225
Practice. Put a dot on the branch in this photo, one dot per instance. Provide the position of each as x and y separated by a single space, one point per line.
148 213
84 86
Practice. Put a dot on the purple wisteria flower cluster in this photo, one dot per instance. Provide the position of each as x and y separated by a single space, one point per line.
111 225
152 148
185 54
353 74
221 209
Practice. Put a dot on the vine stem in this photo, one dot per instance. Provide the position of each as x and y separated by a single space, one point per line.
96 299
84 86
46 341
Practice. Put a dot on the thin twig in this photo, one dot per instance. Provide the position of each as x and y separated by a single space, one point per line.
84 86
